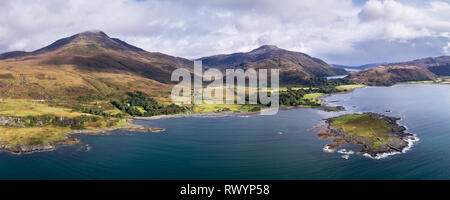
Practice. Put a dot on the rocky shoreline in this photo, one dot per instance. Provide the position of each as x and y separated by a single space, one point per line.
71 139
26 148
399 139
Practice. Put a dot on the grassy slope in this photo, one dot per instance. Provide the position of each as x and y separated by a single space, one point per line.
47 133
66 83
32 135
314 97
23 108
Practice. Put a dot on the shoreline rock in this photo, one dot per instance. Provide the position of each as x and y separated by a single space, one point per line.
27 148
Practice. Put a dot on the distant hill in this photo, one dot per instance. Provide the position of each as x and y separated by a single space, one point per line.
295 67
390 75
360 67
438 65
86 65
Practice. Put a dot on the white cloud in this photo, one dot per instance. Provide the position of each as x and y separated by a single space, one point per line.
446 49
331 29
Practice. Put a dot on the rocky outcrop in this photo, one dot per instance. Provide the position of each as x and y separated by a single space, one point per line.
395 139
37 121
31 148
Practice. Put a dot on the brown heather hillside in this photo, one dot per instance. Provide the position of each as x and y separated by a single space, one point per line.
88 65
92 66
390 75
294 67
438 65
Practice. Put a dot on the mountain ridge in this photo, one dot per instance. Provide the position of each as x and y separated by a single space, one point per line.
295 67
86 65
438 65
390 75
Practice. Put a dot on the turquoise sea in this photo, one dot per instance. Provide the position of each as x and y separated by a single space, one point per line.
255 147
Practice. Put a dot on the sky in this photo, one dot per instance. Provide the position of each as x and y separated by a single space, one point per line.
348 32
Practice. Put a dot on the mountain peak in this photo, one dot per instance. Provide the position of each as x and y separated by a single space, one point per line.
94 38
295 67
267 47
92 33
87 37
85 42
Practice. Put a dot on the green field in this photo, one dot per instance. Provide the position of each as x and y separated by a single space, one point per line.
32 133
313 97
349 87
442 80
331 108
23 108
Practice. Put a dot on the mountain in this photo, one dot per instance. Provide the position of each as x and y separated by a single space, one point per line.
12 54
438 65
295 67
86 65
390 75
94 51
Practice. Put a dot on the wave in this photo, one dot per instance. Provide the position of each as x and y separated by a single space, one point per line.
327 149
346 152
411 141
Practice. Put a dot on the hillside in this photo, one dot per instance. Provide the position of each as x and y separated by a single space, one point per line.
89 65
389 75
438 65
295 67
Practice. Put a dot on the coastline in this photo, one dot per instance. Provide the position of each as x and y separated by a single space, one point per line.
70 139
410 138
222 114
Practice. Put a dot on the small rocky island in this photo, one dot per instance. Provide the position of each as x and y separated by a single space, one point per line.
376 134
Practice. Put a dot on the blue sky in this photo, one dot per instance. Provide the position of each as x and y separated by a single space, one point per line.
337 31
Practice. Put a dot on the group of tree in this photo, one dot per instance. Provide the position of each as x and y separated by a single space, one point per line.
140 104
292 97
295 97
